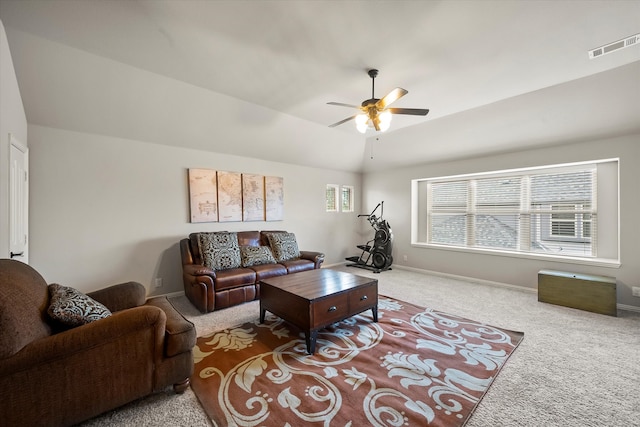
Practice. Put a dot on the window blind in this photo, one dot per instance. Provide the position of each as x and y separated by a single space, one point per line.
540 211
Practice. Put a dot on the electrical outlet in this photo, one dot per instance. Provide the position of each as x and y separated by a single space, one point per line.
405 258
158 282
635 291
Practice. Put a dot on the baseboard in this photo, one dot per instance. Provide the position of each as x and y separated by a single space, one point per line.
169 295
466 278
624 307
337 264
447 275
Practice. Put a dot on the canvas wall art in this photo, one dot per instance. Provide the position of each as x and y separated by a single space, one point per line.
203 192
221 196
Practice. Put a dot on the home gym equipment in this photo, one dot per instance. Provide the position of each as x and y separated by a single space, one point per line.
376 253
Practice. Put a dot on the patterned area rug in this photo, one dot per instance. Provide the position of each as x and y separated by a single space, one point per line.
415 367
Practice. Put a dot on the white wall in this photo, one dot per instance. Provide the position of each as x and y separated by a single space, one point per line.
394 186
106 210
12 120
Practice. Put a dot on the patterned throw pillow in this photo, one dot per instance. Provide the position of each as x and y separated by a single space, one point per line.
220 250
284 246
73 308
256 255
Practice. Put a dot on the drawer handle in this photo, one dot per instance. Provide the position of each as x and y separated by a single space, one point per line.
333 308
364 297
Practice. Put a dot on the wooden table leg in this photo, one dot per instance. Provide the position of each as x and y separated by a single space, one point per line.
310 338
374 310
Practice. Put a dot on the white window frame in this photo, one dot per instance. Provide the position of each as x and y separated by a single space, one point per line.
606 236
351 190
336 198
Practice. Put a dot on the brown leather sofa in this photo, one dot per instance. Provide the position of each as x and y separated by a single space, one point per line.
50 377
210 289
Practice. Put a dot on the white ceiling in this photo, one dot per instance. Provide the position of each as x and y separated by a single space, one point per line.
496 75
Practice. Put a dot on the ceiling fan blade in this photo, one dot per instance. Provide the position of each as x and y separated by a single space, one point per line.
340 104
392 96
342 121
410 111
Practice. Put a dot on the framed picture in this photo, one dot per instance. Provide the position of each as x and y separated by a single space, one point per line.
252 197
203 195
229 196
274 198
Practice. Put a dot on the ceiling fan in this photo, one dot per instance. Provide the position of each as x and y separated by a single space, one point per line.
374 111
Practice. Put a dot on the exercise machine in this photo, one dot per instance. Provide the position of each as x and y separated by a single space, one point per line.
376 253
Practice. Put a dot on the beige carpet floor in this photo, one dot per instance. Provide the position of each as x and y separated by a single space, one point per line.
574 368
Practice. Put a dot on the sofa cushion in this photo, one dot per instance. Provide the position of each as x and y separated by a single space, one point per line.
256 255
284 246
296 265
73 308
249 238
219 250
234 278
266 271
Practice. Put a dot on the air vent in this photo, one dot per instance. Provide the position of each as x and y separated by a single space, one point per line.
612 47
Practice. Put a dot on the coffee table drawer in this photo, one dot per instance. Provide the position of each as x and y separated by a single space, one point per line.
330 309
363 298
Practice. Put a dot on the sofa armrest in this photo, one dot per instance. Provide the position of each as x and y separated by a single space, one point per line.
121 297
137 323
180 335
198 270
316 257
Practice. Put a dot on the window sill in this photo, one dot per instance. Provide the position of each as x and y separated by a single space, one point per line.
598 262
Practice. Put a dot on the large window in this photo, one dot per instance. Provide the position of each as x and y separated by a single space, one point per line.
552 211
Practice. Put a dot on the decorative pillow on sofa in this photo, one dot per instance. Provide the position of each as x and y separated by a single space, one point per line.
219 250
284 246
256 255
73 308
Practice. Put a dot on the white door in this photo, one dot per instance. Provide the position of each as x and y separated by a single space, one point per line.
18 200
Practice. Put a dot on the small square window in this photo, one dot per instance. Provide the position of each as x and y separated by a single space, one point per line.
331 198
346 199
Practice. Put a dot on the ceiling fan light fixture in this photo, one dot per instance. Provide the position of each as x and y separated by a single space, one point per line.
385 120
362 122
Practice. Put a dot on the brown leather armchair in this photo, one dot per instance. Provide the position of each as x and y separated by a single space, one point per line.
62 378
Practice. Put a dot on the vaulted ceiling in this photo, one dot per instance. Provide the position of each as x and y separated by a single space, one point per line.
497 76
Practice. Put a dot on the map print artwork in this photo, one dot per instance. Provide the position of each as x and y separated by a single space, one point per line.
274 198
229 196
252 197
203 195
220 196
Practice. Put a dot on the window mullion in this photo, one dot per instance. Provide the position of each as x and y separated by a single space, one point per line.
429 212
593 209
525 231
471 213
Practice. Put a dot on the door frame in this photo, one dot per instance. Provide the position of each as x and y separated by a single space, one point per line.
23 225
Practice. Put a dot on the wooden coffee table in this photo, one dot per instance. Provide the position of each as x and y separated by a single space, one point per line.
314 299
